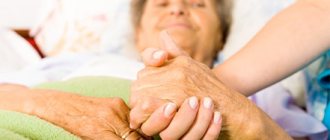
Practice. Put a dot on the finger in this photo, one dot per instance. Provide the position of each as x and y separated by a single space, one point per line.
214 129
142 110
107 136
170 47
154 57
159 120
122 129
182 121
132 135
202 123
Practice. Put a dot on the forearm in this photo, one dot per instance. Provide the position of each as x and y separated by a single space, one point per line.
57 107
292 39
265 127
41 103
14 97
86 117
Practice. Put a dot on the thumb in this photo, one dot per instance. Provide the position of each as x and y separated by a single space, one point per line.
170 47
154 57
157 57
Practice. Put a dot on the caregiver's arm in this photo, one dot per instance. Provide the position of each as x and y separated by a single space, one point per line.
87 117
292 39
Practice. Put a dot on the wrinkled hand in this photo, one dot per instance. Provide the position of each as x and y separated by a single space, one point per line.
178 80
180 77
157 81
86 117
91 118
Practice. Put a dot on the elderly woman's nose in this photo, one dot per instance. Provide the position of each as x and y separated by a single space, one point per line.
178 9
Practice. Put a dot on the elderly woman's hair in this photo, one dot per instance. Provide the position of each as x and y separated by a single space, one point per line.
224 8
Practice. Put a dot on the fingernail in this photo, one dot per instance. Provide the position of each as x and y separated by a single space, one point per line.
193 102
158 54
217 117
207 102
170 108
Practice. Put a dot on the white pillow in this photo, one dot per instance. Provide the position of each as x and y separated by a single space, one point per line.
70 26
249 16
15 52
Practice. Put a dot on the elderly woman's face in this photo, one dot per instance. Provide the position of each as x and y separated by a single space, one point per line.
193 24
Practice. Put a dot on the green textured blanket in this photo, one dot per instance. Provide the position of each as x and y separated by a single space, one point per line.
19 126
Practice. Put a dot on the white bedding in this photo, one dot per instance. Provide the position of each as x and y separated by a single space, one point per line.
15 52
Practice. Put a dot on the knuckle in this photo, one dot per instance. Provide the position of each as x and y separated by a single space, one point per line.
146 105
180 73
134 99
183 60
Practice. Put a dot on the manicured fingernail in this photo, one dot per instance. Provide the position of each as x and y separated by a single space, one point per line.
158 54
193 102
217 117
170 108
207 102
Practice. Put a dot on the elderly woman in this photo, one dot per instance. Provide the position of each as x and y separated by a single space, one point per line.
195 25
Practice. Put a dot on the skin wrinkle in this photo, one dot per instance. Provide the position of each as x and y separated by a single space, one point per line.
193 86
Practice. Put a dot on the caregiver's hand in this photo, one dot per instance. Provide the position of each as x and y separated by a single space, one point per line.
181 77
86 117
178 80
194 120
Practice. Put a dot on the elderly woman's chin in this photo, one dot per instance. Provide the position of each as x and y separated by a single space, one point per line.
185 39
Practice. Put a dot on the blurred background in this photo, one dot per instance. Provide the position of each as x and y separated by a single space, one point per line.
20 14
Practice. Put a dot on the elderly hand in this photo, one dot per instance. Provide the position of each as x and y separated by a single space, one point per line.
86 117
194 120
182 77
178 80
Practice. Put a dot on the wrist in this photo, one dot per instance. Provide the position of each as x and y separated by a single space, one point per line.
242 119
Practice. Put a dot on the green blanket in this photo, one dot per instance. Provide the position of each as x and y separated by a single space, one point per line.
19 126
